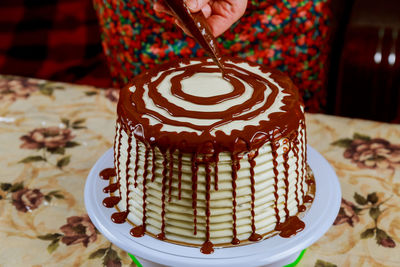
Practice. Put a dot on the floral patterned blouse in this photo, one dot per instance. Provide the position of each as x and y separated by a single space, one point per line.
291 35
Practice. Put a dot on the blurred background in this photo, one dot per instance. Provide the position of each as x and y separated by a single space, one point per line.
62 40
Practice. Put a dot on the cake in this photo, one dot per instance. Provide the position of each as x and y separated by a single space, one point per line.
209 159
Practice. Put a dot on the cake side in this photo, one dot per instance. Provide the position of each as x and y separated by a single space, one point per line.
204 159
179 212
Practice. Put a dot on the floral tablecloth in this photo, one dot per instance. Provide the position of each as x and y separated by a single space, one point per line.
51 134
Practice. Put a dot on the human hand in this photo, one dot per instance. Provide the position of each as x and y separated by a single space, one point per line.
220 14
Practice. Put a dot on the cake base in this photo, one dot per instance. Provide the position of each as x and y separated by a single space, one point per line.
318 220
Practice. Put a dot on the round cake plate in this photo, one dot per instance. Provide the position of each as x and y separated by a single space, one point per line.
274 251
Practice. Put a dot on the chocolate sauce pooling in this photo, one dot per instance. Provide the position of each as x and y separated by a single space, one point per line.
107 173
110 202
290 227
205 148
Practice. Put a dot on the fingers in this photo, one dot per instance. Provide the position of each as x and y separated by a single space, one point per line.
224 15
206 11
196 5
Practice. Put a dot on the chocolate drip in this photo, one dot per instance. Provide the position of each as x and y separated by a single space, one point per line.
145 173
298 178
274 147
111 188
171 169
195 168
304 156
207 248
136 162
110 202
290 227
302 208
107 173
128 162
118 167
119 217
138 231
179 174
208 188
235 168
255 237
216 160
251 158
163 188
286 173
308 199
153 162
310 181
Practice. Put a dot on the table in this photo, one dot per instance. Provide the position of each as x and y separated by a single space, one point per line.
52 133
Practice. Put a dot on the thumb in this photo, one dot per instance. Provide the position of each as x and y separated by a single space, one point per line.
196 5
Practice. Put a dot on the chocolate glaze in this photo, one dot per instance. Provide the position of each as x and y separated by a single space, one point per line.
286 173
130 116
117 156
310 181
290 227
128 161
119 217
136 162
179 174
195 168
205 148
170 174
111 188
207 247
139 231
308 199
296 155
208 213
145 173
275 146
110 202
163 188
106 174
251 156
235 168
302 208
153 162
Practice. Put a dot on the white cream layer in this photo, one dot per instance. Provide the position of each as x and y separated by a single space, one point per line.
179 213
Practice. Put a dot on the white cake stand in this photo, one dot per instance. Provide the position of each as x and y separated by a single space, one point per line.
275 251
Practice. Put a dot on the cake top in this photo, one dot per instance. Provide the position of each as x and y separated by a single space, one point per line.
188 104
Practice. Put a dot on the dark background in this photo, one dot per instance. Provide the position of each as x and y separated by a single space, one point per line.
364 63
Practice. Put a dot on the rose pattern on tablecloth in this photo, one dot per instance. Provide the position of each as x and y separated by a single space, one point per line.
77 230
52 139
13 88
112 94
26 199
369 152
81 230
349 213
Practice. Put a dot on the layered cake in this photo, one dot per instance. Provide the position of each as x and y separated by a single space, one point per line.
205 159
